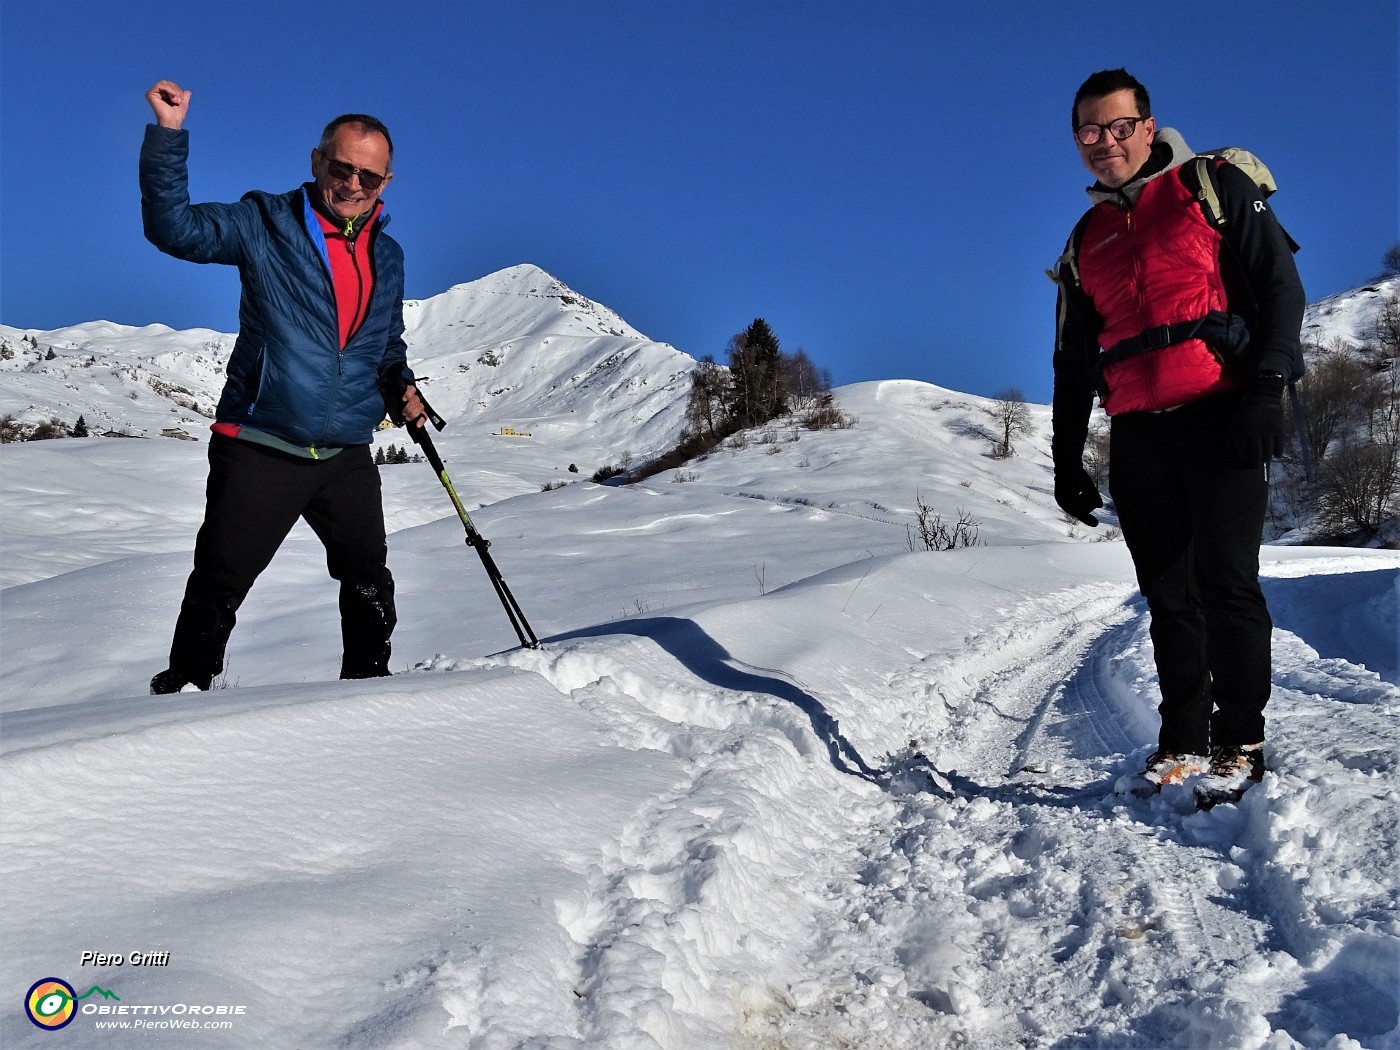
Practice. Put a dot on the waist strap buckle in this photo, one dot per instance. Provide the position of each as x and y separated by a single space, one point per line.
1157 337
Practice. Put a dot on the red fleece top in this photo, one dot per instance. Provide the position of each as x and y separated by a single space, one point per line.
352 275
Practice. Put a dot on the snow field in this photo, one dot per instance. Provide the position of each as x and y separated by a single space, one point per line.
772 781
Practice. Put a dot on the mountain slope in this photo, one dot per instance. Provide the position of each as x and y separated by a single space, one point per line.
516 348
521 348
1348 316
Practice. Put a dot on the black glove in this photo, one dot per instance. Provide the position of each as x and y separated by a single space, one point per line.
392 385
1077 494
1257 431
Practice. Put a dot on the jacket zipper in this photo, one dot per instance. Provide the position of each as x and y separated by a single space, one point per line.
350 334
356 321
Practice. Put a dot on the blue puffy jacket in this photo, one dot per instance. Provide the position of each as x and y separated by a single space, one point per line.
288 376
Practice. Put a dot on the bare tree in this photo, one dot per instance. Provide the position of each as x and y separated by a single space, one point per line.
54 428
1096 455
1386 327
709 387
804 381
1383 423
1358 487
826 414
1332 394
1358 490
1013 417
931 533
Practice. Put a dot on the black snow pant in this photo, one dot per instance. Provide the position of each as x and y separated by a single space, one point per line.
1193 521
254 496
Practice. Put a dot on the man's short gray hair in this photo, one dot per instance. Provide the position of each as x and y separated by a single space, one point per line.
365 123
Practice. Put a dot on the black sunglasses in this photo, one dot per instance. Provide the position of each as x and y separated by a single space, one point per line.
338 169
1120 129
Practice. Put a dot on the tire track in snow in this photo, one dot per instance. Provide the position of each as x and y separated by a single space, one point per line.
995 911
768 901
1001 688
1091 722
1086 701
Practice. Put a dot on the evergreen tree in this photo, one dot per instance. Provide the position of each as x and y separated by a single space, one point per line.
756 376
80 429
1392 260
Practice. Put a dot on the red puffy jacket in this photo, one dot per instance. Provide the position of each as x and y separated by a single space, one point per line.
1157 263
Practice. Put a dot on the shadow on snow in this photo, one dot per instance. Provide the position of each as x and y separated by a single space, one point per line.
908 772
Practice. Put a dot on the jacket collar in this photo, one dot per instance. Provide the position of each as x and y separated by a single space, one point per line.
333 222
1168 151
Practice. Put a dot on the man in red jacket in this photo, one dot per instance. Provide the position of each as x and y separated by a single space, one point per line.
1187 329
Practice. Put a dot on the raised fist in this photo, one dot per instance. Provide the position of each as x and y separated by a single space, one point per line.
170 103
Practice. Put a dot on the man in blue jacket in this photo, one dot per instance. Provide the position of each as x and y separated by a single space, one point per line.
320 339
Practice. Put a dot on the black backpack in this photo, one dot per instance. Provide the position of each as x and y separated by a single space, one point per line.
1198 175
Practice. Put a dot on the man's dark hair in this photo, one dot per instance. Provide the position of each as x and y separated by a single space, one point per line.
1108 82
368 126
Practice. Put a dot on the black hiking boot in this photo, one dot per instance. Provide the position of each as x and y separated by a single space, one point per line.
170 681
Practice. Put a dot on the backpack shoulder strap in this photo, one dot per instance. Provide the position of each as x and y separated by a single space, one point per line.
1202 170
1069 261
1199 175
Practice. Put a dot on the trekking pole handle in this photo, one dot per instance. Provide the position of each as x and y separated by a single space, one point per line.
436 420
393 386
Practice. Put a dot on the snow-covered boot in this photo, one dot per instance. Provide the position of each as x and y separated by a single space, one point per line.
1165 768
1233 769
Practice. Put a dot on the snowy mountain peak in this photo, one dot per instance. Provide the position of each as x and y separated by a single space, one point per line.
516 346
521 346
522 298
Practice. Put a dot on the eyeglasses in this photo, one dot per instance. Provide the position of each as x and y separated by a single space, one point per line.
1120 129
339 170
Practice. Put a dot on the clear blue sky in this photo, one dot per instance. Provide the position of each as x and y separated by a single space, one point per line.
884 182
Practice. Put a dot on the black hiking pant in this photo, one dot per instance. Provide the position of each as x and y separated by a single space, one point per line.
253 498
1193 521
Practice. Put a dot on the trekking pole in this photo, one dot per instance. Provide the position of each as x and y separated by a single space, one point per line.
475 539
1304 447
